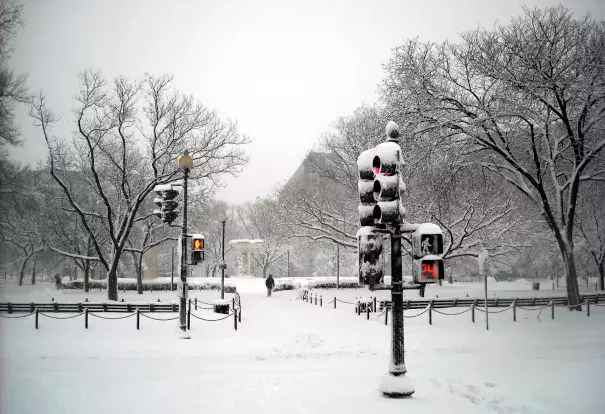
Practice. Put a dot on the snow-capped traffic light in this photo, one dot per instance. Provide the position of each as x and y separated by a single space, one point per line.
167 211
388 185
197 248
369 247
366 189
427 246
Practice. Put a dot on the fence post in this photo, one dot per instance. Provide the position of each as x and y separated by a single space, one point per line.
86 318
31 307
515 310
195 303
138 319
334 302
315 300
588 307
386 315
374 309
552 308
239 313
368 311
189 317
232 303
431 312
358 308
473 312
235 319
36 318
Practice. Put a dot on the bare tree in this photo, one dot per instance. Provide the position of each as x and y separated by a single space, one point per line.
254 219
12 87
526 99
591 225
150 236
121 156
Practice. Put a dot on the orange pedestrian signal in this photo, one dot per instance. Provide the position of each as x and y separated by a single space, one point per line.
198 244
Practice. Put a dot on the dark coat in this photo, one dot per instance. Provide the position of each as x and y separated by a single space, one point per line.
269 282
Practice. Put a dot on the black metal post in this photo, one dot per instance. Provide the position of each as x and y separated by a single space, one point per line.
386 315
138 319
86 318
36 317
172 268
235 319
182 299
223 267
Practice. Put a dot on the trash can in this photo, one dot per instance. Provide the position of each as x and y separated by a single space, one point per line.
535 286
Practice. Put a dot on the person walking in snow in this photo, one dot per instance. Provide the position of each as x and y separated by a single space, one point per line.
269 282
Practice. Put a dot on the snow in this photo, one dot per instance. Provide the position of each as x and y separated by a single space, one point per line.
221 301
288 356
390 128
396 385
429 228
366 231
389 152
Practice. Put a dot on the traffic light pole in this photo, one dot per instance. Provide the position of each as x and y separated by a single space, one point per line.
397 366
183 293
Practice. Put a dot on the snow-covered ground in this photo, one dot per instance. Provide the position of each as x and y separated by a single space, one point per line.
291 357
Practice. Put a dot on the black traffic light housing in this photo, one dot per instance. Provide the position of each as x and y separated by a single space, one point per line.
371 265
197 248
166 203
427 246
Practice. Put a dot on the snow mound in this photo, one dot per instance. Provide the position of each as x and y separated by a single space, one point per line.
396 386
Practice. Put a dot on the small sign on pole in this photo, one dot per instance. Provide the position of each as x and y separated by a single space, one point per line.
182 289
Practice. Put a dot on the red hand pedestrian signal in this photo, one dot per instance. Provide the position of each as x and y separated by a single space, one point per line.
429 270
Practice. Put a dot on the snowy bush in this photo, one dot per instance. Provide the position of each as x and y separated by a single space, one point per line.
162 283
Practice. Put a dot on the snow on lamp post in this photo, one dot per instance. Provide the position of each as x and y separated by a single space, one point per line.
185 163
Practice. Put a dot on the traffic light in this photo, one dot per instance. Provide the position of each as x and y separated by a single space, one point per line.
388 185
197 248
427 246
369 247
166 203
366 189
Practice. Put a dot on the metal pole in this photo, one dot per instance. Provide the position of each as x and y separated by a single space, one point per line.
338 266
397 366
223 268
486 311
172 269
182 299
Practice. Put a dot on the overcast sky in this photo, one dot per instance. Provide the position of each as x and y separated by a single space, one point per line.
284 69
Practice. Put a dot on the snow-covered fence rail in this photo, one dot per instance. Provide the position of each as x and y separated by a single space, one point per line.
72 311
368 304
491 303
91 306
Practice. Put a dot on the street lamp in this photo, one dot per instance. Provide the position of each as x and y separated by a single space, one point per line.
185 163
223 264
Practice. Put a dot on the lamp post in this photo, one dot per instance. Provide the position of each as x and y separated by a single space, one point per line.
223 220
185 163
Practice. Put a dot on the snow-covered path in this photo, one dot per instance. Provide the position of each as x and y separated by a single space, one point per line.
292 357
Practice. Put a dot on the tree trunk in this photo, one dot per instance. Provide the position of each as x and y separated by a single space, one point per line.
22 270
573 292
265 271
34 270
602 276
112 281
139 271
86 276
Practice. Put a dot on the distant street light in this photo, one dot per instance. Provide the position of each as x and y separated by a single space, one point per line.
223 265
